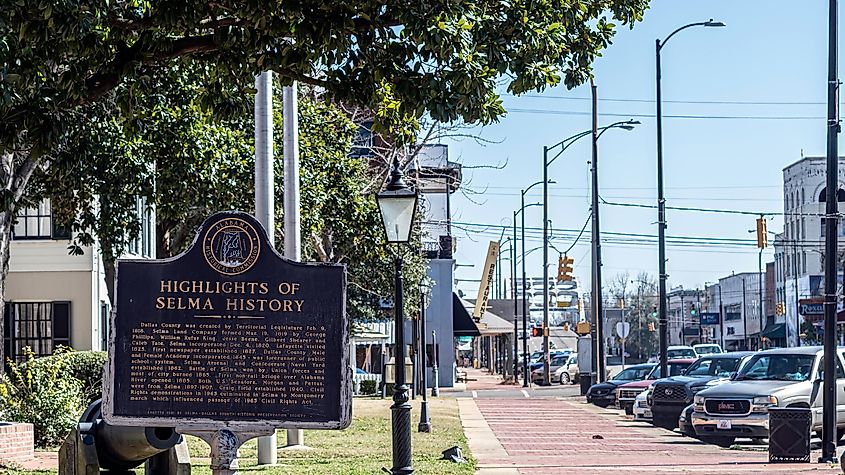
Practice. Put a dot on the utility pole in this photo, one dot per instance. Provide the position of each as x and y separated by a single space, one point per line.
744 318
721 318
596 242
831 221
265 202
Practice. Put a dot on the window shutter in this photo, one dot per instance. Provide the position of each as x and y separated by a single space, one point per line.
61 324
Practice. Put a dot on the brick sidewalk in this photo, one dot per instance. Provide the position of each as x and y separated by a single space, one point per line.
481 380
553 436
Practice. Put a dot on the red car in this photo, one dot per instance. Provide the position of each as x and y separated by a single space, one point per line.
628 392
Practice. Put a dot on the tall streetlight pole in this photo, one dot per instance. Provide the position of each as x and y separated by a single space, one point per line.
397 204
830 242
661 201
522 207
596 132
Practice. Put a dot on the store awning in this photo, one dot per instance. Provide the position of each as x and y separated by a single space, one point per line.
776 330
462 322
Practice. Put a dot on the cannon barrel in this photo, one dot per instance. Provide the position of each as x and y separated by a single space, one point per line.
124 447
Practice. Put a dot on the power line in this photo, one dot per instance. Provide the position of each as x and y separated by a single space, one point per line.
700 102
665 116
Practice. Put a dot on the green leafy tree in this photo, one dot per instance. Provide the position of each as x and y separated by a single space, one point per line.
402 59
111 165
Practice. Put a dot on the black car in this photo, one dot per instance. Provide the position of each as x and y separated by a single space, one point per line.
670 396
685 422
603 394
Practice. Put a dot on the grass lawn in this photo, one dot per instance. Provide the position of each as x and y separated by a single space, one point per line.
363 448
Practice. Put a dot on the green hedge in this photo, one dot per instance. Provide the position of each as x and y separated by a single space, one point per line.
45 393
86 366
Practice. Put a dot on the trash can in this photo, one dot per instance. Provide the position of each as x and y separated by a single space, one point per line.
585 379
789 434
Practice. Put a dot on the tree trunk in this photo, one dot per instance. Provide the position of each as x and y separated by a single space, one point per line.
109 274
5 242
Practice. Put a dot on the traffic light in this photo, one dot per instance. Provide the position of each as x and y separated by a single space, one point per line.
762 233
564 269
692 310
780 308
654 311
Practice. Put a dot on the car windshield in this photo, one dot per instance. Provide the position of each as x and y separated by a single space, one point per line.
680 353
707 349
632 374
558 361
675 369
778 367
720 367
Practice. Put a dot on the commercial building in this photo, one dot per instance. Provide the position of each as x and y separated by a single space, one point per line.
682 316
799 249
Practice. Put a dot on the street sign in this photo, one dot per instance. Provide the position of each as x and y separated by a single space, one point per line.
623 329
812 309
709 318
229 334
487 276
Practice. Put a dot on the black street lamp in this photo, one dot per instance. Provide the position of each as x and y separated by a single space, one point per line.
597 343
521 209
398 204
661 201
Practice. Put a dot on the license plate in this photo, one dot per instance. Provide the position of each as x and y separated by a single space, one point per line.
647 414
723 424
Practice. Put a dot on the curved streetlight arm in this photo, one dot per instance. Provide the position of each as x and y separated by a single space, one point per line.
709 23
535 184
624 124
567 142
527 206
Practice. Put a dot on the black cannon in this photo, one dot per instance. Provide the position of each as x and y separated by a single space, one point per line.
95 447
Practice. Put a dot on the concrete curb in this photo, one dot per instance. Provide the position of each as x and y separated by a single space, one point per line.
481 440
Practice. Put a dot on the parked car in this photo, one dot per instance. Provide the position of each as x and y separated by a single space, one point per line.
556 362
671 395
642 407
603 394
628 392
675 352
685 422
707 349
787 377
568 373
552 354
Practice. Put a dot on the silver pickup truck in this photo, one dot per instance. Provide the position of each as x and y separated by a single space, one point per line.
787 377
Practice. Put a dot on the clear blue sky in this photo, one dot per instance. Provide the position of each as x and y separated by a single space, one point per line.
770 51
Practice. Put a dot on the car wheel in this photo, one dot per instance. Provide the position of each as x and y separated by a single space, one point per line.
629 410
720 440
564 378
602 405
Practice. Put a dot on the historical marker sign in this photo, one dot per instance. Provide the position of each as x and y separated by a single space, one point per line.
229 332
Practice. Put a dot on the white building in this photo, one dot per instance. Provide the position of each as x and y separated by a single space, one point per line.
738 297
682 315
799 249
54 298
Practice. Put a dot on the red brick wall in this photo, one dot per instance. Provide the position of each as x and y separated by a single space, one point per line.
16 442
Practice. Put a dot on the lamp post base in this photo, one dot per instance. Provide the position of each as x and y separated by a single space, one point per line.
401 425
425 421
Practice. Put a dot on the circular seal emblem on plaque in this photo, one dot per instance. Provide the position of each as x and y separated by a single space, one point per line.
231 246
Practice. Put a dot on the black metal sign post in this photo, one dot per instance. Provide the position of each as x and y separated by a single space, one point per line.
229 341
